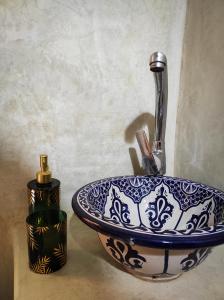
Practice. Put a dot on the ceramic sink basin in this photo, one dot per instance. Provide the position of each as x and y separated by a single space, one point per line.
157 227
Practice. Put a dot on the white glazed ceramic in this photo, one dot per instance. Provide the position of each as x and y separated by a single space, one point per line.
157 227
153 263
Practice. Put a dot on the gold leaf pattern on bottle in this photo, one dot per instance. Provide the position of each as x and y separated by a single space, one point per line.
41 229
60 254
41 266
31 239
58 226
31 196
47 198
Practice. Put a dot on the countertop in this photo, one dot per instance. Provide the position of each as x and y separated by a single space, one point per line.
91 274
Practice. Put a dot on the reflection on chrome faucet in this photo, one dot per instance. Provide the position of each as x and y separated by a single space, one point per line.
154 160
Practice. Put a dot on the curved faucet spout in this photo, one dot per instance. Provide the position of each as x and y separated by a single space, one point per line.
158 65
154 162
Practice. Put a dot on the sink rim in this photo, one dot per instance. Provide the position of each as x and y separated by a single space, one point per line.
204 237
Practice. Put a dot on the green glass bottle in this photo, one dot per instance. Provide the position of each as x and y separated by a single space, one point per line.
44 191
47 240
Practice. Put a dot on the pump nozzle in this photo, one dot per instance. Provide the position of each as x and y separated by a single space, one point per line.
44 175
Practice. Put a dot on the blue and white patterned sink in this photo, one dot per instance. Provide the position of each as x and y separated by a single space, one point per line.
156 226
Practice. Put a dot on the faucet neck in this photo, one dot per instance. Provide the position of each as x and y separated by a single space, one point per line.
154 161
158 65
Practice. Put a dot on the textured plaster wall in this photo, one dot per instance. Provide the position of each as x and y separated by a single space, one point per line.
75 84
200 121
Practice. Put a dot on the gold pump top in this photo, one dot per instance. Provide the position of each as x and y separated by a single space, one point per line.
44 175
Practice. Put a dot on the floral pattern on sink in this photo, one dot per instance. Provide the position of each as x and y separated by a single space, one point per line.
154 204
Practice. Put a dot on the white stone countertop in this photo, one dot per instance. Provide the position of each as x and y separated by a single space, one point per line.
91 274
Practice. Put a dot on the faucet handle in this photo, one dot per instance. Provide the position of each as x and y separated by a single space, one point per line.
143 143
148 160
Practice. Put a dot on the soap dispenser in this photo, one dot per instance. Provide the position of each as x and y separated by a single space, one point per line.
44 191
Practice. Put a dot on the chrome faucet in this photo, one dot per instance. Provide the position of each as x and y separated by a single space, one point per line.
154 159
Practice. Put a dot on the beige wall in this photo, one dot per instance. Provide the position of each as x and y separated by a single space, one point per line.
75 84
200 123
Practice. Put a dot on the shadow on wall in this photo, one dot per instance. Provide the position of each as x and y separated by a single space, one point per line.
13 178
200 124
6 262
144 120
